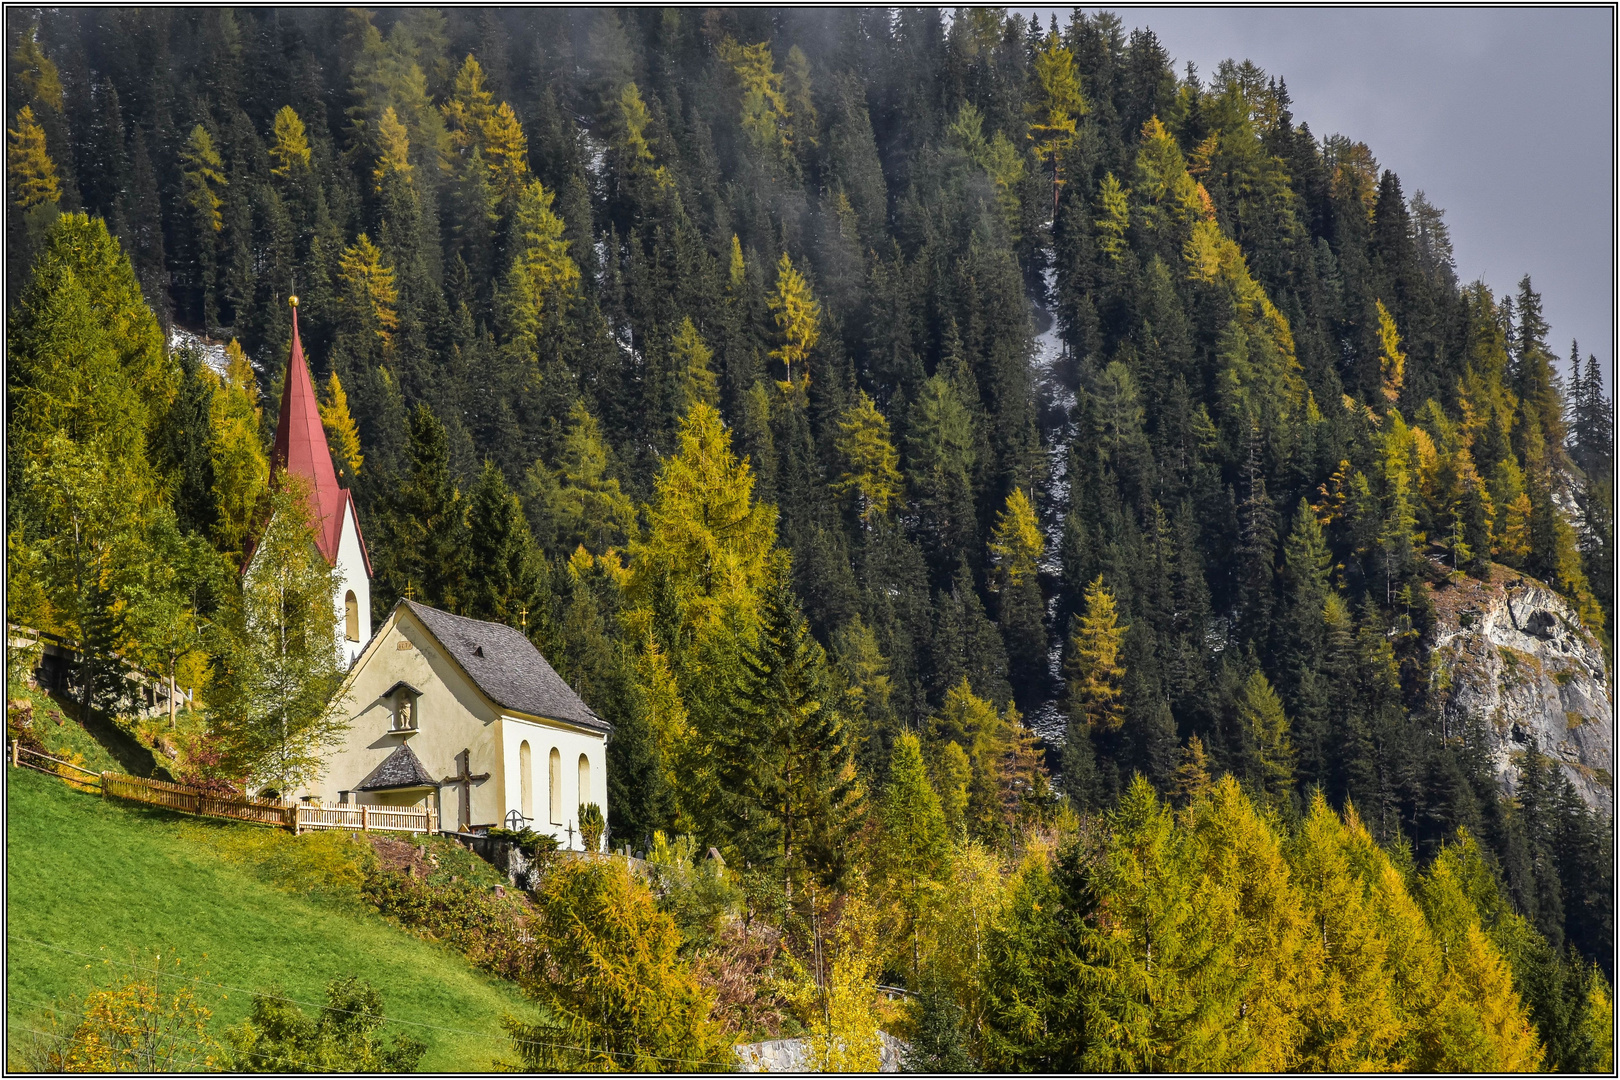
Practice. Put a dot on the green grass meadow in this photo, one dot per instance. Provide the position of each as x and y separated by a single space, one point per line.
93 883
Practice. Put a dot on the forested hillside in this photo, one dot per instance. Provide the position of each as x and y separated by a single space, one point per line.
803 381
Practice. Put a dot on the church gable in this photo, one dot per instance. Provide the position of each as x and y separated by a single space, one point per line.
404 670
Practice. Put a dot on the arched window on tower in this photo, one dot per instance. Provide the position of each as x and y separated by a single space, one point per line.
351 616
585 780
555 786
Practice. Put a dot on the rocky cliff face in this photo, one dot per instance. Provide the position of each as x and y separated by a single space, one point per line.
1517 658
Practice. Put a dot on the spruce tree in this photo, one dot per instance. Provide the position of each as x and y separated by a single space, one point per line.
788 783
940 1044
1299 641
202 169
422 539
914 851
507 577
941 456
185 450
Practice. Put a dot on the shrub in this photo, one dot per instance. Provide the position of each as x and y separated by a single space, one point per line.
487 929
591 826
132 1025
20 727
198 762
697 893
622 996
345 1037
533 844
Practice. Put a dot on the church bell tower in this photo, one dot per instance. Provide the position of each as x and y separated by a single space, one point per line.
300 449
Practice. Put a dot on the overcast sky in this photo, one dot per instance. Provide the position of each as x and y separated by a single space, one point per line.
1503 117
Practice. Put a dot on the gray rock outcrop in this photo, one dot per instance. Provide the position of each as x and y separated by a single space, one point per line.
793 1055
1512 654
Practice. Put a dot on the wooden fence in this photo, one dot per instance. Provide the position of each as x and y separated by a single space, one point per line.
367 818
189 800
76 775
299 817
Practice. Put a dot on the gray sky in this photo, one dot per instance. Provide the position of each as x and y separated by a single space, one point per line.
1503 117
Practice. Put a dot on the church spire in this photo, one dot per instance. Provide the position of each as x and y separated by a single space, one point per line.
300 447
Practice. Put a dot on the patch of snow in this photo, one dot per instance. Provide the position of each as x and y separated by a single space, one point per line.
1055 402
1049 724
1057 501
621 334
595 156
213 353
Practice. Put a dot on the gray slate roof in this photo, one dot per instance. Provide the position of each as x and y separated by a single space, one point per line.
401 769
507 667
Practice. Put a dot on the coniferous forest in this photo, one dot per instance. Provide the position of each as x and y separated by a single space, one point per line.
995 482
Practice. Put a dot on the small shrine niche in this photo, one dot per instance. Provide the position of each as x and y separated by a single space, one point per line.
402 700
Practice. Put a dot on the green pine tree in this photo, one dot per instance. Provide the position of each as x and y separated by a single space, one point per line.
508 580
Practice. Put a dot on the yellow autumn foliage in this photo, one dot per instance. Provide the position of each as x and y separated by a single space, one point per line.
798 321
1016 545
30 173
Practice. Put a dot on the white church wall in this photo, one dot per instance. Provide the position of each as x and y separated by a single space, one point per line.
351 568
570 745
351 565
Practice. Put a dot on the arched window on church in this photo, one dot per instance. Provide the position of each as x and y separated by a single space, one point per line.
526 778
351 616
584 780
555 785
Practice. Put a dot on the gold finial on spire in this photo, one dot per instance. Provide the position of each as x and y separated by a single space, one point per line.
292 301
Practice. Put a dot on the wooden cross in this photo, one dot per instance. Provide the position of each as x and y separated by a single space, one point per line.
466 778
570 836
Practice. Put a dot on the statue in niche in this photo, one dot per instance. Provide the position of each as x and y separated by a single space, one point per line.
406 719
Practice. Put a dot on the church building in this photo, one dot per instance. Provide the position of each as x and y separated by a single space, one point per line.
300 450
466 717
446 712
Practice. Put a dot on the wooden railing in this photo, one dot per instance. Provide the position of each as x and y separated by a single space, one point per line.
190 800
299 817
331 817
77 775
410 819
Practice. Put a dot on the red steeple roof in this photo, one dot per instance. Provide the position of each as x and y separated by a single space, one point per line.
300 449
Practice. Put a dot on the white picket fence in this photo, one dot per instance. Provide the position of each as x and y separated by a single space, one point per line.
409 819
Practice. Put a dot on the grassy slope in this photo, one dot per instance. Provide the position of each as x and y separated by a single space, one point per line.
101 747
118 880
